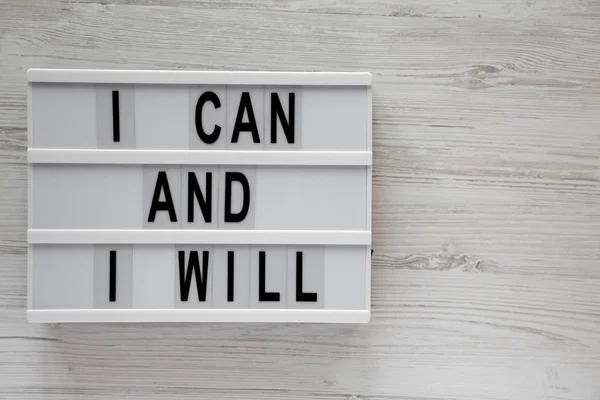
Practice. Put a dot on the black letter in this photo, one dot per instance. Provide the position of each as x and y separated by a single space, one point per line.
230 276
263 295
239 177
162 184
277 111
201 279
115 109
250 126
214 136
194 191
112 291
301 296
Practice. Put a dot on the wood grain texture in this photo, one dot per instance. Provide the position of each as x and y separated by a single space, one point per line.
486 203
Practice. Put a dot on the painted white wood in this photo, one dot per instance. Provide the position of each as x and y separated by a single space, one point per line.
150 236
200 77
485 271
198 157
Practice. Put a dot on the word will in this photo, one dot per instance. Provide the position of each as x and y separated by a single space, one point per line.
198 272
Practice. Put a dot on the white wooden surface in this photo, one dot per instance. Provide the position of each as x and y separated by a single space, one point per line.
486 202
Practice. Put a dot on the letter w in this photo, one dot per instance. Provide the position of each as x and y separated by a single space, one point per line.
185 277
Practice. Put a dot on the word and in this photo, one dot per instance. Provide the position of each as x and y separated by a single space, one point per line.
204 199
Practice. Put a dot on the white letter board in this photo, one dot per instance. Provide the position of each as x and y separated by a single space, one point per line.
159 196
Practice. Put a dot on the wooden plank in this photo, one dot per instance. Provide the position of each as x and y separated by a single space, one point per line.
434 335
485 204
508 9
557 50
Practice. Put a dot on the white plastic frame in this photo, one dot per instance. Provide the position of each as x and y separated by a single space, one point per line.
199 315
198 157
191 236
199 77
72 156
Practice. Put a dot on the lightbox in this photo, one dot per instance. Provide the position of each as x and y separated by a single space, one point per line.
163 196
